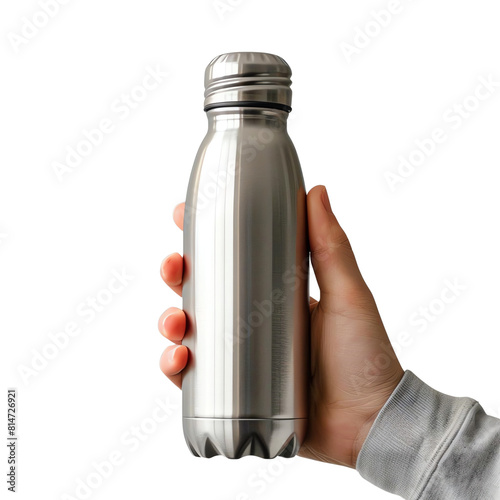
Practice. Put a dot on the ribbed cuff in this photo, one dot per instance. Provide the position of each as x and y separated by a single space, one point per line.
409 437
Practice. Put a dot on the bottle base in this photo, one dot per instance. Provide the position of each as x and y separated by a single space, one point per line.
237 438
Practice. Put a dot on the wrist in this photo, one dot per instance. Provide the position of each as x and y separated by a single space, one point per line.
361 437
379 401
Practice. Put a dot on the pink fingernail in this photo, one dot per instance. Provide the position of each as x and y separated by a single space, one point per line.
168 257
326 201
171 353
165 320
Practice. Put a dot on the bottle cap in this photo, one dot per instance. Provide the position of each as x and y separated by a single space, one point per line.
253 79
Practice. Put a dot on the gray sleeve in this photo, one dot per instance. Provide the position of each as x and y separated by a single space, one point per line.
427 445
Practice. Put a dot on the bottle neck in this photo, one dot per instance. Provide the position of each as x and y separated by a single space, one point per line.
220 119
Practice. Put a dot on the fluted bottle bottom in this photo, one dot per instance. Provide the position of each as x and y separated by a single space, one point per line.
237 438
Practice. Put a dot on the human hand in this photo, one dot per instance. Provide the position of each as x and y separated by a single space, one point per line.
354 369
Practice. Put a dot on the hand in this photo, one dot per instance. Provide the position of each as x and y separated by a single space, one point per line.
354 369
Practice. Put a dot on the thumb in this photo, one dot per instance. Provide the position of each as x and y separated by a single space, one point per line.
334 264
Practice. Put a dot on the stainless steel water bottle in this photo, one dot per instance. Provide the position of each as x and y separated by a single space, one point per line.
246 269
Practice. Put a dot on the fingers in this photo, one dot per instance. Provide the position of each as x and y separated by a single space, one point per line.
171 271
172 324
179 215
172 267
334 263
173 361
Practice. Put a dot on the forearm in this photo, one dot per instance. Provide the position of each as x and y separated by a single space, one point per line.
427 445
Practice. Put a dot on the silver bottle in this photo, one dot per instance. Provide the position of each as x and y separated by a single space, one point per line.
246 269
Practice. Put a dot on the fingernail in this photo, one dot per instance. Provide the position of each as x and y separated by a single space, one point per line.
171 354
326 201
168 257
164 321
169 331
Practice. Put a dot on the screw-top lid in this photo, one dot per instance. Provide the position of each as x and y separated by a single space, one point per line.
252 79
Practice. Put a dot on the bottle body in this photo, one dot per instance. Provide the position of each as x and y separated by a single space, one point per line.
246 289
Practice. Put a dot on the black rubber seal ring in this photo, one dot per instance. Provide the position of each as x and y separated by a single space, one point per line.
248 104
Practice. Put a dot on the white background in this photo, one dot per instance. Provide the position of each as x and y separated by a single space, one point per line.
61 240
